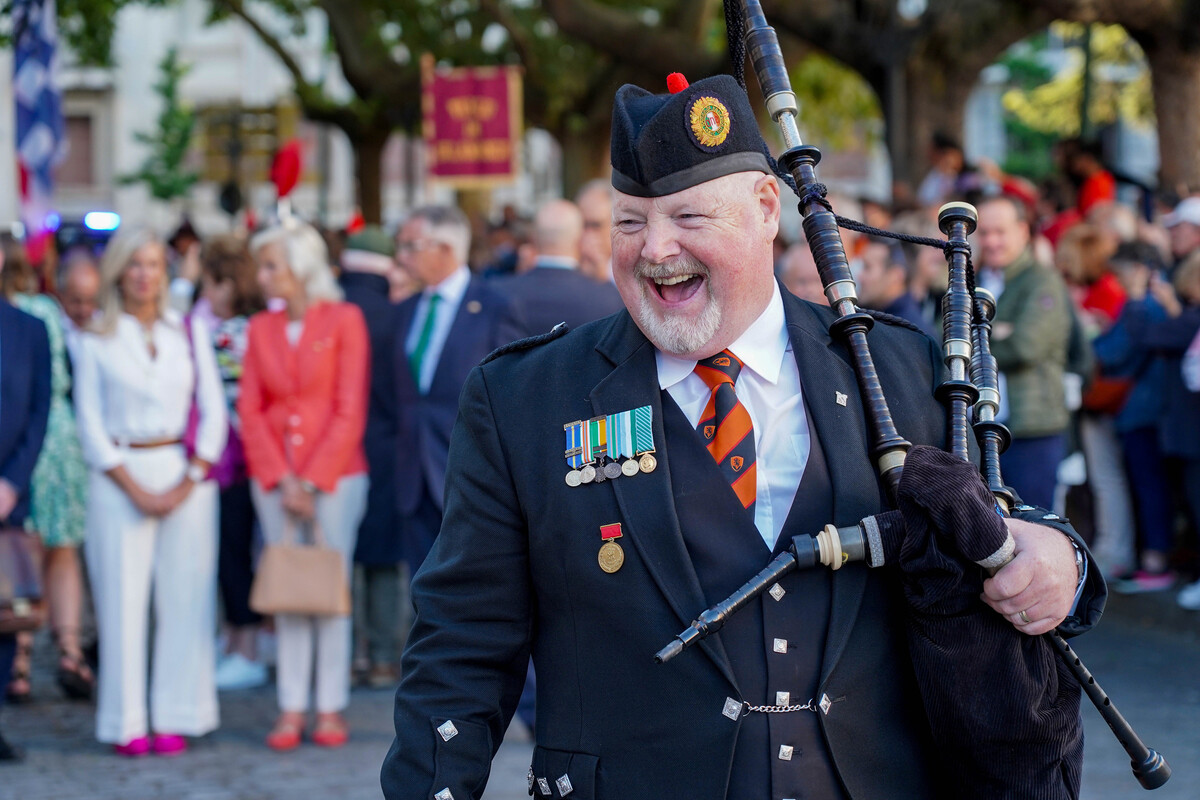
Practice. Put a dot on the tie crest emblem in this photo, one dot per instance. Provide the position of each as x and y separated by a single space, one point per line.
736 462
721 362
709 430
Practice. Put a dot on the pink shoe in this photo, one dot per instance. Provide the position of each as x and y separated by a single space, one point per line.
133 748
168 744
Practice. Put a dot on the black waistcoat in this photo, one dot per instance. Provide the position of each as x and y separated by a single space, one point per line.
727 550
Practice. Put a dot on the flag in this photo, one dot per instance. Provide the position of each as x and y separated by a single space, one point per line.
472 122
40 130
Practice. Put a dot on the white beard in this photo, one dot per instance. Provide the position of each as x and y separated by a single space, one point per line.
674 334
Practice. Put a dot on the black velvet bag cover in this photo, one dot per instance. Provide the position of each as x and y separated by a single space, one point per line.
1003 708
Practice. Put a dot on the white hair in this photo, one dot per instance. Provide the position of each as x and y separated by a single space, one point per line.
307 257
448 225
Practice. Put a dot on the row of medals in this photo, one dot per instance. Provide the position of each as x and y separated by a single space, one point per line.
611 470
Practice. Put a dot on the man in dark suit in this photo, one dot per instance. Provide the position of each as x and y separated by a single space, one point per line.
24 410
367 263
554 290
441 334
723 419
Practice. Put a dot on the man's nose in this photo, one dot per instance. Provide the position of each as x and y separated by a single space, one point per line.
661 242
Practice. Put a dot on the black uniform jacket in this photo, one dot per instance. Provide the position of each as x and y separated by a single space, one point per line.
514 571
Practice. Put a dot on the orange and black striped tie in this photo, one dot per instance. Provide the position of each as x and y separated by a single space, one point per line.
726 428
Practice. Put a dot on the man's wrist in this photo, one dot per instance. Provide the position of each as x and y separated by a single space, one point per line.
1080 562
308 486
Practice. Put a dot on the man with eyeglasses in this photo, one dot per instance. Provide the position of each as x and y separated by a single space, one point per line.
441 333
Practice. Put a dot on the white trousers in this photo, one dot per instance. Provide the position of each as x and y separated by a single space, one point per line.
339 515
134 560
1113 544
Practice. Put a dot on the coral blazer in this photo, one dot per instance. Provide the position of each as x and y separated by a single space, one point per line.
304 408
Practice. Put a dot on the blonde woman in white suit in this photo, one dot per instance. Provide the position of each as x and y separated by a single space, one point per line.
152 512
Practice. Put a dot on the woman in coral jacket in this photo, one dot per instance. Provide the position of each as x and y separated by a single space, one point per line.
303 407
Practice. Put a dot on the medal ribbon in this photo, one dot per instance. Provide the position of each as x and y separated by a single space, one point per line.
643 430
620 435
574 437
598 434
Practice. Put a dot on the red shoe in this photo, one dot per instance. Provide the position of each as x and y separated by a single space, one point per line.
331 731
285 735
133 748
169 744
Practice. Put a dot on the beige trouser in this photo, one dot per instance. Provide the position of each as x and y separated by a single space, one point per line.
339 514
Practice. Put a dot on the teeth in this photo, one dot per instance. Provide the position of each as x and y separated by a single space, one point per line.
674 280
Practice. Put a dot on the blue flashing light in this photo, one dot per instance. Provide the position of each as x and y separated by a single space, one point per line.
102 220
53 220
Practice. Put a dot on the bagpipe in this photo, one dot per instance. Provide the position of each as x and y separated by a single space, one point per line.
1003 706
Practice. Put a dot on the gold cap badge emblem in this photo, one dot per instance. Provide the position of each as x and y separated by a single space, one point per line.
710 121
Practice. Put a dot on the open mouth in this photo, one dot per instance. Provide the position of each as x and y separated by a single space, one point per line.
677 288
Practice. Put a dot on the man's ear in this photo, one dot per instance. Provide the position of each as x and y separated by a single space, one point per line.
766 189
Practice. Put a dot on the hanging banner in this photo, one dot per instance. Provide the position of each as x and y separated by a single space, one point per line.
472 120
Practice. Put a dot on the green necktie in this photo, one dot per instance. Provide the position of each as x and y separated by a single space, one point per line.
418 354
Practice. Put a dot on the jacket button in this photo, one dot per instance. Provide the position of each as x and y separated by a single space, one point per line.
294 419
297 439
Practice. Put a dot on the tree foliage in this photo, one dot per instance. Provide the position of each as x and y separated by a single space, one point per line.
164 171
1120 85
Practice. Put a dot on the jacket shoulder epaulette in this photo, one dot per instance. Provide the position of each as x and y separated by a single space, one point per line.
528 343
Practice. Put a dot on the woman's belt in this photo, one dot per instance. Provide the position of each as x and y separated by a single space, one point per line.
148 444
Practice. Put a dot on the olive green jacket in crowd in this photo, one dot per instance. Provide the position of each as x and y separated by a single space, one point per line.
1033 356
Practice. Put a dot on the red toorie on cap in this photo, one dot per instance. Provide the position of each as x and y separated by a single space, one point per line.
676 83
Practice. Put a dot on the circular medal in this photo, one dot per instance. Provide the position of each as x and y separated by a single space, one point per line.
612 470
611 557
587 474
647 463
629 468
574 478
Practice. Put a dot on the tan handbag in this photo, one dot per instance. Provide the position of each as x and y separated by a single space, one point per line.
21 607
295 578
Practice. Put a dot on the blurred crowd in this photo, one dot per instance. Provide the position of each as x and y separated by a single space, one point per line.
1095 334
196 399
187 403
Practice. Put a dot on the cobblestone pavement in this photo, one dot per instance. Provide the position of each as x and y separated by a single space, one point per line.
1152 673
64 761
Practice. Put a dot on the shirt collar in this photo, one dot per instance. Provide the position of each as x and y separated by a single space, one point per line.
761 347
452 287
555 262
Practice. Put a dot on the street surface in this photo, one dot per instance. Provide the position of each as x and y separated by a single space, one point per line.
1148 662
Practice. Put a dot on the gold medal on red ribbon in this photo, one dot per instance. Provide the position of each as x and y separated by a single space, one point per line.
611 555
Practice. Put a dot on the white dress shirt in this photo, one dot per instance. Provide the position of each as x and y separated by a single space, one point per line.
769 387
122 395
451 291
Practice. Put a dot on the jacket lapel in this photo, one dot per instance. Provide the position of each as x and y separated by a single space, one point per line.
825 376
646 500
469 325
405 384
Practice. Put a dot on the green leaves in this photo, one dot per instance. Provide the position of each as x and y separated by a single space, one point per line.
163 170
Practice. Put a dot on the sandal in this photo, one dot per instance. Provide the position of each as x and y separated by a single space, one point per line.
20 690
286 733
74 676
330 731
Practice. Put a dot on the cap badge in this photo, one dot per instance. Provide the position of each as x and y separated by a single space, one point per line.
710 121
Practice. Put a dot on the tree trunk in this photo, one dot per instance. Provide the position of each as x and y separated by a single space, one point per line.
1175 77
585 156
923 97
368 172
